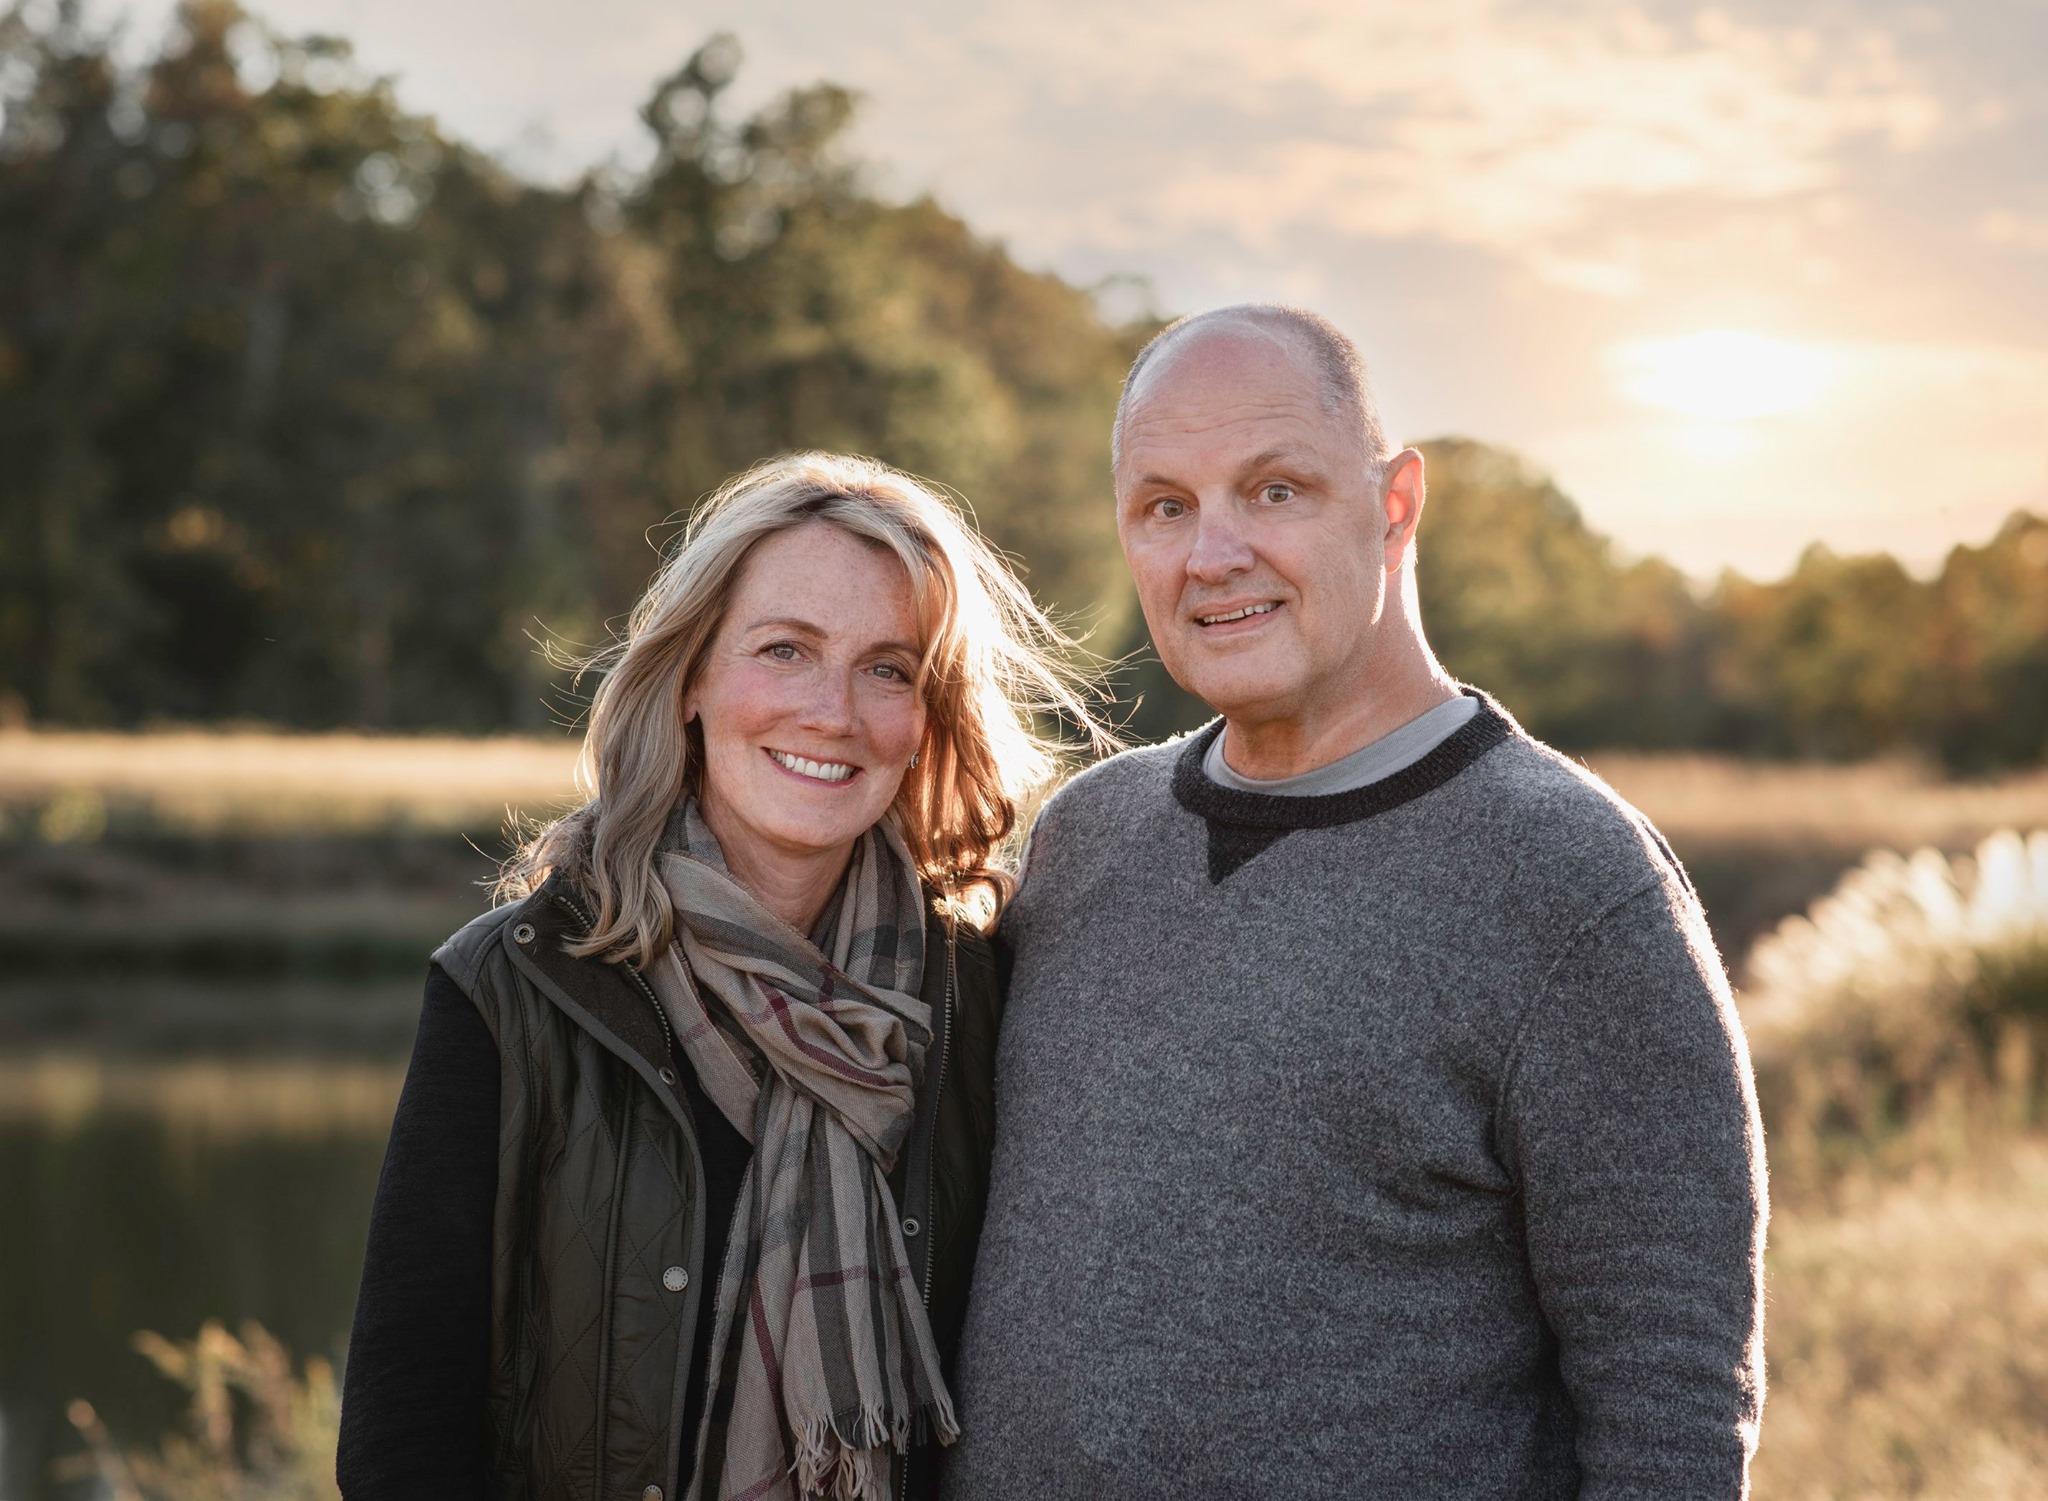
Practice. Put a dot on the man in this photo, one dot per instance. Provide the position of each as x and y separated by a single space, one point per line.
1373 1119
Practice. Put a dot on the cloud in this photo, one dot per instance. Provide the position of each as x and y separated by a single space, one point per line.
1508 127
2012 231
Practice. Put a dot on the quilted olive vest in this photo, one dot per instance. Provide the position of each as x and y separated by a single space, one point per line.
601 1260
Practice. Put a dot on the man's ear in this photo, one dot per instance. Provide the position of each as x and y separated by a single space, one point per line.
1402 504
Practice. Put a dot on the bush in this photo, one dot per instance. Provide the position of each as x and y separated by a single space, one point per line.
1907 1015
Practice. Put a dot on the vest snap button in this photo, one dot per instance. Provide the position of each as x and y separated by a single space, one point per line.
652 1493
911 1227
667 1076
675 1279
523 933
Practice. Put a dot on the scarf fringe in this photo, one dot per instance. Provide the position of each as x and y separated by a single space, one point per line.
851 1464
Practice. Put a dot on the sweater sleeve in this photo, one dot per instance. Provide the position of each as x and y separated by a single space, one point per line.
412 1414
1629 1119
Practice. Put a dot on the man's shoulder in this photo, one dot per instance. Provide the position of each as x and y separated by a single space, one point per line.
1099 804
1135 777
1567 829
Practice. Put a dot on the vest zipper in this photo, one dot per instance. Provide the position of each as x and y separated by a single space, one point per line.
639 981
931 1168
931 1160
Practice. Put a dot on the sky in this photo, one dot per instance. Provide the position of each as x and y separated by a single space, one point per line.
1740 277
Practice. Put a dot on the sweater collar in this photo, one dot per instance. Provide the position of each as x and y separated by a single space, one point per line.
1241 824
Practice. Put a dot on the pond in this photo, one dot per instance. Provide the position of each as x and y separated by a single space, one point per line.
173 1151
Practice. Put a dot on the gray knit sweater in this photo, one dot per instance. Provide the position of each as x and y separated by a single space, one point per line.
1398 1143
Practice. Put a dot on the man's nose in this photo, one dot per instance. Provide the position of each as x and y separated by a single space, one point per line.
1221 546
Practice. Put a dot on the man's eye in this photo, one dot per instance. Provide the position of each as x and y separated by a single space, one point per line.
1274 494
1169 509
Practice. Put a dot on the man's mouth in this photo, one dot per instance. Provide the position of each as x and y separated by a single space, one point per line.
817 771
1225 617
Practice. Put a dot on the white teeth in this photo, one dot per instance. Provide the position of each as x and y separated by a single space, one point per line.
824 771
1264 609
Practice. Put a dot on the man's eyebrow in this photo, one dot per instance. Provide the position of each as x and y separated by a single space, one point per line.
1293 458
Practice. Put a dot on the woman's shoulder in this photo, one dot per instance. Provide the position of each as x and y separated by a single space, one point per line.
548 910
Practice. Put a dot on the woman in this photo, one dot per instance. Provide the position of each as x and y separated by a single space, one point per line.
684 1187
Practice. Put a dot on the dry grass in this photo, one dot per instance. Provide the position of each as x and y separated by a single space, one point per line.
1907 1334
210 1098
1904 1018
254 1430
208 782
1892 804
205 780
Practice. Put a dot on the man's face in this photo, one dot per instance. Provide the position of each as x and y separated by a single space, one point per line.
1252 528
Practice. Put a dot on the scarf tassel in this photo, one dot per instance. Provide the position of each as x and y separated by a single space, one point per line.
854 1466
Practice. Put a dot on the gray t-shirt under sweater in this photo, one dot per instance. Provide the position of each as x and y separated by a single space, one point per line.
1395 1143
1369 763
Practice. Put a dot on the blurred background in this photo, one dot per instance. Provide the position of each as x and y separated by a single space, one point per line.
351 351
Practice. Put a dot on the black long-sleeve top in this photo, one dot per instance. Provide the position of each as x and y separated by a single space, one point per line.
412 1417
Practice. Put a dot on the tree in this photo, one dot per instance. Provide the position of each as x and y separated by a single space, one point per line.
1520 597
310 414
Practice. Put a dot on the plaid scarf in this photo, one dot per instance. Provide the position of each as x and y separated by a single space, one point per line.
821 1350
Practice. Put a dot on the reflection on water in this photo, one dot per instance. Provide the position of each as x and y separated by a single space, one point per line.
155 1190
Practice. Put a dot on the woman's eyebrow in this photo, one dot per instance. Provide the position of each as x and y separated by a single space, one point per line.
785 623
803 627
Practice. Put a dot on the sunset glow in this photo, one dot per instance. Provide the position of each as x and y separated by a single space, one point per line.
1722 375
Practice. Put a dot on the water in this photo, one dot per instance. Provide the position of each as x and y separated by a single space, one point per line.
172 1152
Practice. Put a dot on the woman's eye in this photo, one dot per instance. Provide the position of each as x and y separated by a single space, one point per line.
1274 494
893 671
781 651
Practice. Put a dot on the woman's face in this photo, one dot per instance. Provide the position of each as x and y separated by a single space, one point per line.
808 699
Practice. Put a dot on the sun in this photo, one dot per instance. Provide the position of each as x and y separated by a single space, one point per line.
1722 375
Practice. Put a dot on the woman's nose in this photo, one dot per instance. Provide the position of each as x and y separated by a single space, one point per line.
829 706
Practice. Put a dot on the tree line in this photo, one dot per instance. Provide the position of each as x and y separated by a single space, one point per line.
312 414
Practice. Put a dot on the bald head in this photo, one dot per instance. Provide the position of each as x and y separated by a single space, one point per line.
1338 366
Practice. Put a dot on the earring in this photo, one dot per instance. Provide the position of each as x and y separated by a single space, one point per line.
913 760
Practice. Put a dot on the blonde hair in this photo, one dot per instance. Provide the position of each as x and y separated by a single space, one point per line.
992 662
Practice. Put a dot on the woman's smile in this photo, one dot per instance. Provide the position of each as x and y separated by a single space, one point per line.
830 773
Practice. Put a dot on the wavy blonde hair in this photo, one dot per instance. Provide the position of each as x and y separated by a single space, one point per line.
992 663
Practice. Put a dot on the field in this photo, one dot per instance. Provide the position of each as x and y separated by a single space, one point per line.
191 848
206 781
250 877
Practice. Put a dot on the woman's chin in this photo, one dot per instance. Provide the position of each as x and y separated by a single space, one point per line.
810 825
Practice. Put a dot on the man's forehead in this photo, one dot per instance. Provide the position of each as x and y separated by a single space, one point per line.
1224 399
1229 353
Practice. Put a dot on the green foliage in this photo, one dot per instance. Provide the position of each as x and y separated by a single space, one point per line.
1841 659
311 414
1520 596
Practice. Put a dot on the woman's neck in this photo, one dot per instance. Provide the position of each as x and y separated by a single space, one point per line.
794 885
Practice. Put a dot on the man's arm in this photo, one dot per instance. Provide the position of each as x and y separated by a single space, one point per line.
1629 1118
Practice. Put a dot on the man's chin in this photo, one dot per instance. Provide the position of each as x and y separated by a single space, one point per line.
1238 689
